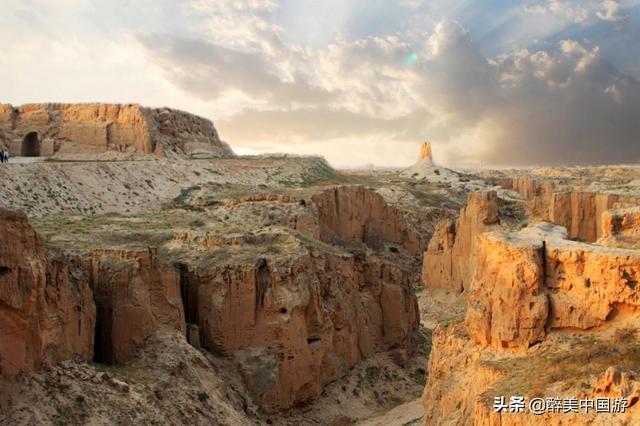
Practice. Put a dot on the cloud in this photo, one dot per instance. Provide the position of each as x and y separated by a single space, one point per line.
611 11
208 71
413 4
580 12
368 83
563 104
569 107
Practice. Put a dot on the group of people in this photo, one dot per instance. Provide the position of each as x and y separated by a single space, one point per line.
4 156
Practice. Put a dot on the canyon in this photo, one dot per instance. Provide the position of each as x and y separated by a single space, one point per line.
150 275
268 278
551 305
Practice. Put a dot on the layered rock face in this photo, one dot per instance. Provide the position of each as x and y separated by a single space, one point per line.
297 324
354 214
536 278
295 313
579 211
46 306
137 295
448 260
527 186
493 319
46 129
456 378
527 284
621 227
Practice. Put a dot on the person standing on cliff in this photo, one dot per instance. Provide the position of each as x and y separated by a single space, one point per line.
2 157
6 156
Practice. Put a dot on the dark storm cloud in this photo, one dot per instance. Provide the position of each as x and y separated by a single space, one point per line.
278 74
563 106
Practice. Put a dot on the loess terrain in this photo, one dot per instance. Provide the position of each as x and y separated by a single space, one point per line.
150 276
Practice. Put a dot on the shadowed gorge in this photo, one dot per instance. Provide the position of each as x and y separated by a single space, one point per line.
303 213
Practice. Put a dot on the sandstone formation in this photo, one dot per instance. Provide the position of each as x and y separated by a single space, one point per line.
297 314
448 260
621 228
457 377
507 303
354 214
47 129
580 211
525 285
537 278
295 325
47 312
527 186
296 296
137 295
612 384
426 153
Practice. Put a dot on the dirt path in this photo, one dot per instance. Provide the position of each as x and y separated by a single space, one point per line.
26 160
406 414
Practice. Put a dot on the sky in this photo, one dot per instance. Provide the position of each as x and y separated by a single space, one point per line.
361 82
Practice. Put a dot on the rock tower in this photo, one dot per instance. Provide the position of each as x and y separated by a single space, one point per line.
426 154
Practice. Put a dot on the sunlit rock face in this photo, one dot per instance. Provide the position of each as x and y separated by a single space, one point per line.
531 292
448 260
47 312
46 129
426 153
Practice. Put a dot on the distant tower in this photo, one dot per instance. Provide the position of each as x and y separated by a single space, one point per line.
426 154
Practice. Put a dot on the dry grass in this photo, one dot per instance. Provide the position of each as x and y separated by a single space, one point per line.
569 367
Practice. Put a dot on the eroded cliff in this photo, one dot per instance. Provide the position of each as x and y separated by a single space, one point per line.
573 205
448 260
354 214
543 314
47 312
47 129
293 312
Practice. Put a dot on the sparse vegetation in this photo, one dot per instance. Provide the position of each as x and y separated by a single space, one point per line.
587 356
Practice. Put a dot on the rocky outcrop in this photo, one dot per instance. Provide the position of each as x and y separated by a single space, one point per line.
426 153
527 186
579 211
137 295
353 214
440 267
507 305
294 312
456 378
534 278
613 384
525 285
46 307
464 381
295 323
621 228
47 129
448 260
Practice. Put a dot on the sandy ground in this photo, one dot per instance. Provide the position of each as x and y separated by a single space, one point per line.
89 187
24 160
406 414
